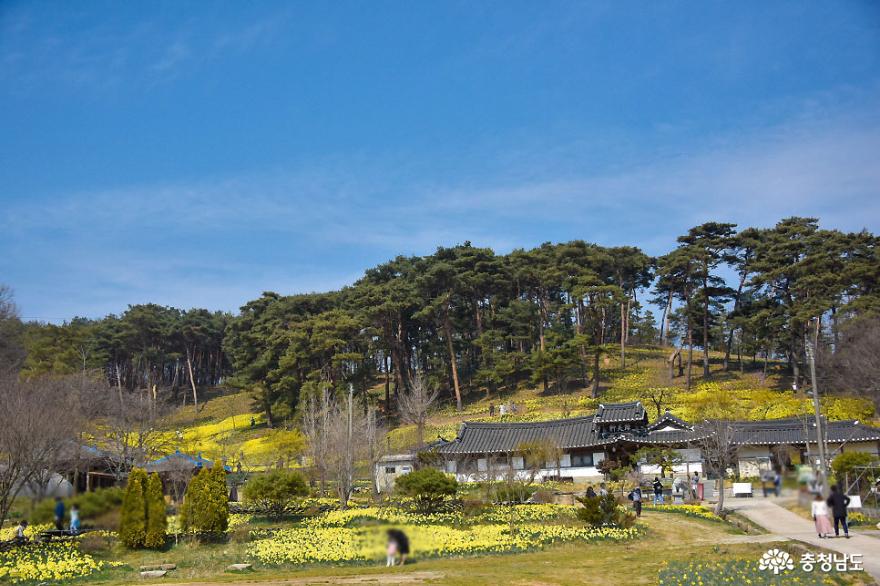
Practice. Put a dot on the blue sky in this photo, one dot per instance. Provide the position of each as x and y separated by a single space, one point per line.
196 154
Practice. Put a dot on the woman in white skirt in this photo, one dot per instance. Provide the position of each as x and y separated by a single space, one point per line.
820 516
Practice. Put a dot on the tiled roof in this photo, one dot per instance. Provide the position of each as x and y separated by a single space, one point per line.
677 436
670 420
621 412
581 432
483 438
796 431
177 461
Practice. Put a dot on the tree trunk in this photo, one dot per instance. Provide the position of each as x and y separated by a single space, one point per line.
719 506
119 384
387 384
622 335
705 330
448 333
192 380
664 332
736 302
690 359
596 373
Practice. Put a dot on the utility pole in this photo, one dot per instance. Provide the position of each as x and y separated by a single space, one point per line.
350 447
820 435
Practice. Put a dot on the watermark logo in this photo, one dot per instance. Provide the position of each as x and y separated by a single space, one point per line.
779 561
776 561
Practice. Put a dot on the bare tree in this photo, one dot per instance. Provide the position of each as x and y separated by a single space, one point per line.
316 424
415 403
855 363
537 455
374 434
719 452
344 436
660 397
11 349
37 420
131 430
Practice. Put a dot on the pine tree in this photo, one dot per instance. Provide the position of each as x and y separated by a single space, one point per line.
157 522
206 504
189 517
218 500
133 524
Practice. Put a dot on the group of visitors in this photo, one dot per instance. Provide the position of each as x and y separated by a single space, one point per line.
73 527
836 504
591 492
505 409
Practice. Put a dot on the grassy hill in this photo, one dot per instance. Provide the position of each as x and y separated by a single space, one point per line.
225 426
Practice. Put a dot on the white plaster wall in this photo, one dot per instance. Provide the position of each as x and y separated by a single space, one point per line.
866 447
746 452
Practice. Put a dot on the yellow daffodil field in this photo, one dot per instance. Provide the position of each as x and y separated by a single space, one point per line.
688 510
47 562
741 573
357 535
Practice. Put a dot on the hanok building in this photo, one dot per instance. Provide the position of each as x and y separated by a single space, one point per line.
175 470
494 450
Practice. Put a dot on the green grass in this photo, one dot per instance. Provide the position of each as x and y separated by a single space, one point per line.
669 538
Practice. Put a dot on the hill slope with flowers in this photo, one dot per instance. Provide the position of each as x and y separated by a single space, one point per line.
225 427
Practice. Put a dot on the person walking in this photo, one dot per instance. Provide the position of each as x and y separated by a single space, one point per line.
20 537
59 513
603 490
391 549
838 502
491 409
820 516
658 491
777 483
636 497
402 545
695 481
74 519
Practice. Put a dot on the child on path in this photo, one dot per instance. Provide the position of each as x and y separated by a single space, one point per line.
74 519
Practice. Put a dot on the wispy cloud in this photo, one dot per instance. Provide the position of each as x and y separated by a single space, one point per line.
218 242
37 54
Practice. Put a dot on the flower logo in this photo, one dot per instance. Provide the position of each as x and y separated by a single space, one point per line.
776 560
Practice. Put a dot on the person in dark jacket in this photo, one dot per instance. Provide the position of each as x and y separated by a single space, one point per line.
658 491
402 543
838 502
636 497
591 494
59 514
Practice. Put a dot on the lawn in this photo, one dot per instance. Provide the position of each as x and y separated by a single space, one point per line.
666 537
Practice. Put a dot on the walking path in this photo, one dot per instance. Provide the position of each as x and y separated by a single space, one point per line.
373 579
780 521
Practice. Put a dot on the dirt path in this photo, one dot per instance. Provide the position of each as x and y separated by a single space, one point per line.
390 578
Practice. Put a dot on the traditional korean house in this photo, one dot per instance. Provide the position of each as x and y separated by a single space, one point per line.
176 469
495 450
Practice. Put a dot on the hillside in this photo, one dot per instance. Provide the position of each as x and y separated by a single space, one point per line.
225 427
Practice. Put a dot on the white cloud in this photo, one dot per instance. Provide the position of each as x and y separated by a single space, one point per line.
219 242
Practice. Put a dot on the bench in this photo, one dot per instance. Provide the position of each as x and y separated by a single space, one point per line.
555 478
742 489
54 534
